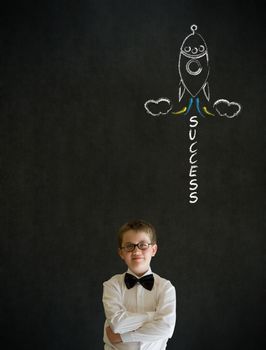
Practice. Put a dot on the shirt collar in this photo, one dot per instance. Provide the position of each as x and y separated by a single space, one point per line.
145 274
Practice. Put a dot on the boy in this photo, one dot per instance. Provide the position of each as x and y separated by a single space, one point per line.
140 306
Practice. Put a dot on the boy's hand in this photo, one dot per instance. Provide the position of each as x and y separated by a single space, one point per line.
113 337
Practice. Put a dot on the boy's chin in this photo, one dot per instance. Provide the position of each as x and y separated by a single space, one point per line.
139 270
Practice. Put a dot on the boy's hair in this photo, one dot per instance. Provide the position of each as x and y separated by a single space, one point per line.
137 225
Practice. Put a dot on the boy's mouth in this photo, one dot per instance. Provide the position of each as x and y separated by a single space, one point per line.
137 258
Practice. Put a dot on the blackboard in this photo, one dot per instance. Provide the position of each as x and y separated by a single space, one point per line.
80 156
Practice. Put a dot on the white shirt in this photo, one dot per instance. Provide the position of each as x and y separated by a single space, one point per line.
144 319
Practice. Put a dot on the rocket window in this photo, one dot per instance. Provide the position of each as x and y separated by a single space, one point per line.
201 48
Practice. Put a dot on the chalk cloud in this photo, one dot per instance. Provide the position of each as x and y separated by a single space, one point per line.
227 109
158 107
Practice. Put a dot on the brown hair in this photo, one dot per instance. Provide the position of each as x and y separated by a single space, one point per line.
137 225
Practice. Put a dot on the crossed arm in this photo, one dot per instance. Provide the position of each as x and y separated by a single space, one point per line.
113 337
125 326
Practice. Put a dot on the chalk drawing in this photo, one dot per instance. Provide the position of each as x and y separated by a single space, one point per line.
226 108
194 99
193 69
193 65
193 151
158 107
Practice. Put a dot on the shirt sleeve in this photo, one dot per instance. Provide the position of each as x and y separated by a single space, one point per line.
163 323
119 319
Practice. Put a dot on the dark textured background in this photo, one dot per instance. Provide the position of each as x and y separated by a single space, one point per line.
79 157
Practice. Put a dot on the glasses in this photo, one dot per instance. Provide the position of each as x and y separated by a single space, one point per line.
130 247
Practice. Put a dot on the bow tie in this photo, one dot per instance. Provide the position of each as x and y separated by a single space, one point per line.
146 281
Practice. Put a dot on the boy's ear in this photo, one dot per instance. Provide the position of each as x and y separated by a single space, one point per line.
120 253
154 249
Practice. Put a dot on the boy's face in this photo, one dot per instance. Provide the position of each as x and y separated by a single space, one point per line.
138 261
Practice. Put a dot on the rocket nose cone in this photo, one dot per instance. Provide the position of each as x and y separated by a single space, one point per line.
194 44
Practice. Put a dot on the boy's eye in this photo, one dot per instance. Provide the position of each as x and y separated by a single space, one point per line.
143 245
130 247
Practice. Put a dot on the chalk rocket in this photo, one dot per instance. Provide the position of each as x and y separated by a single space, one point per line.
193 65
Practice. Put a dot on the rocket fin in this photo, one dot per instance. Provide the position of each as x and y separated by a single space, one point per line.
181 91
206 90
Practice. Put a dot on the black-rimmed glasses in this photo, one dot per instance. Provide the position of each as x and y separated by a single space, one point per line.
130 247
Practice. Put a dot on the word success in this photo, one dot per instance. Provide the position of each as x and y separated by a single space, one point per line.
193 151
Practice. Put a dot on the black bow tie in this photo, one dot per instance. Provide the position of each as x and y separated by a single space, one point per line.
146 281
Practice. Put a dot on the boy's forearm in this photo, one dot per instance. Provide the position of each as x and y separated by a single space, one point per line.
121 320
160 327
151 331
127 321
